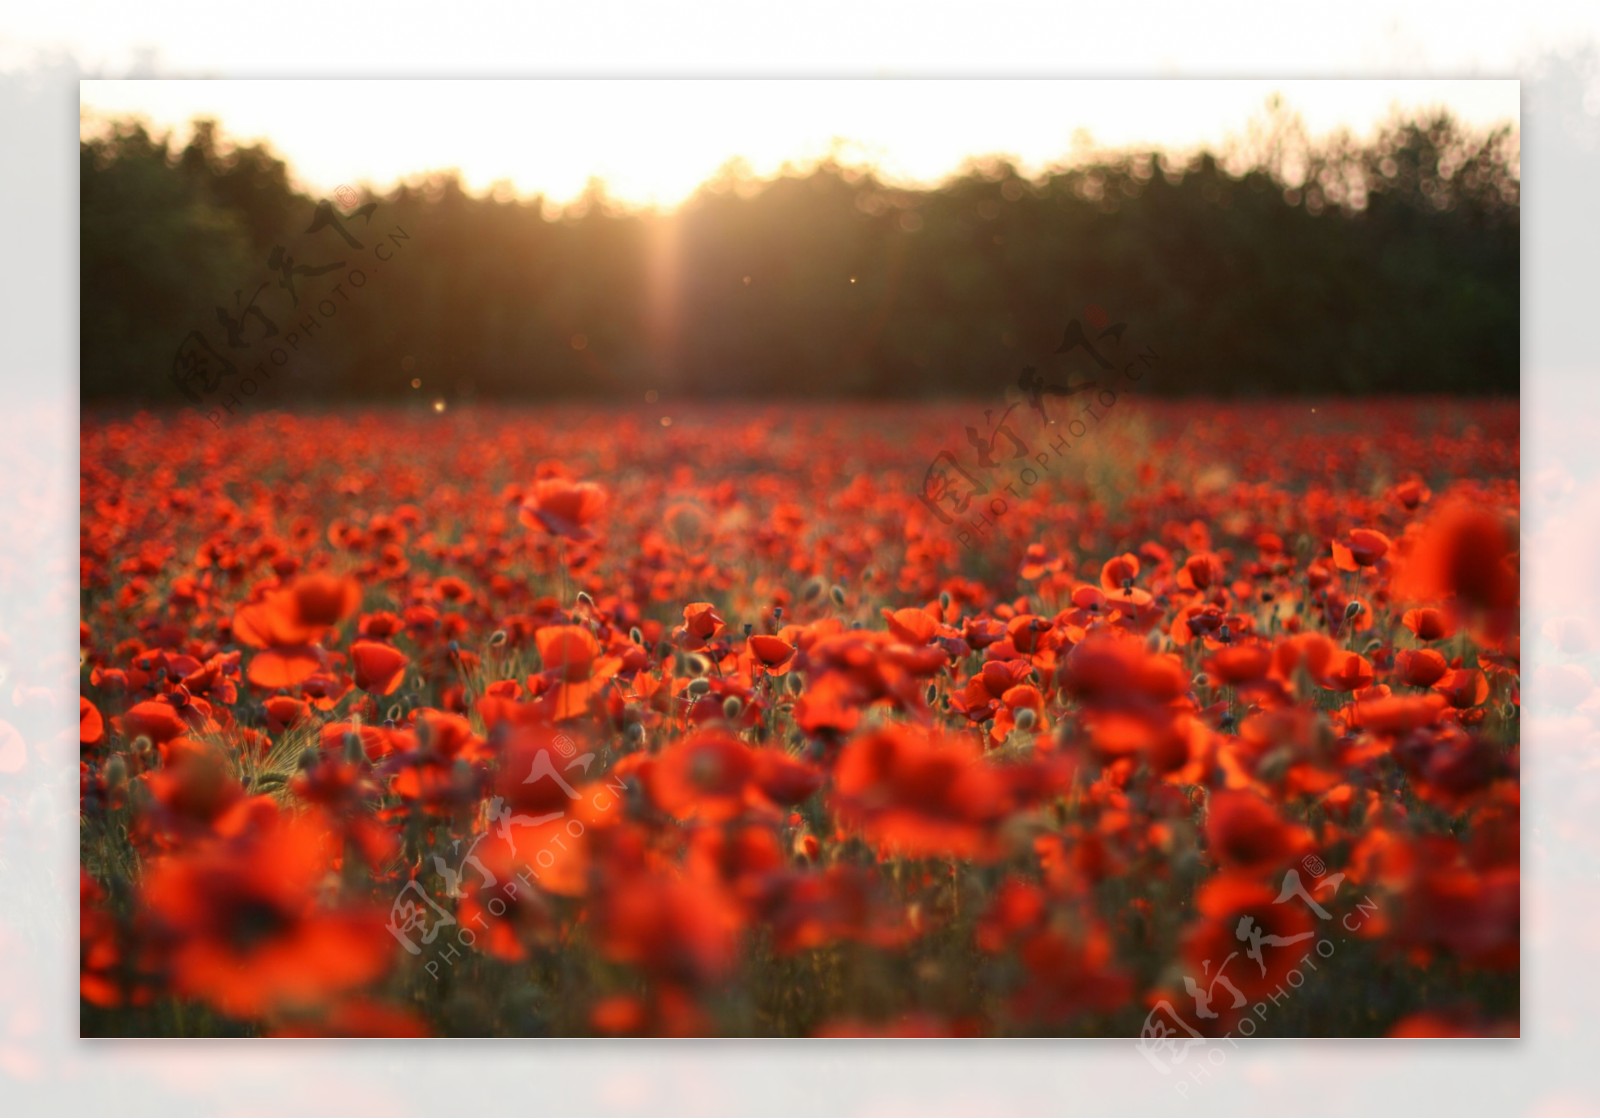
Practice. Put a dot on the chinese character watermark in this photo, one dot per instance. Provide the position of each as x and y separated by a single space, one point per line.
973 500
1167 1038
250 347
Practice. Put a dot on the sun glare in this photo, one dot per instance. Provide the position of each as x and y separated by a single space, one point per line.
652 143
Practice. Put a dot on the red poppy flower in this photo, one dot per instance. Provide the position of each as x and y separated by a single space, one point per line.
563 508
1420 667
1240 664
1469 552
703 777
770 652
567 651
783 778
701 623
1244 944
91 727
284 712
1115 572
1246 834
685 931
573 661
1363 547
919 794
1463 687
247 933
1201 571
1347 672
298 614
1429 623
378 667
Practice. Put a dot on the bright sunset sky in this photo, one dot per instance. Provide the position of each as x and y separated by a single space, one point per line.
653 142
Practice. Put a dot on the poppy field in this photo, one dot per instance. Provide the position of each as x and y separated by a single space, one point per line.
710 721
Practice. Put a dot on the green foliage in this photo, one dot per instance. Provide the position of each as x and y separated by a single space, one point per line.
157 247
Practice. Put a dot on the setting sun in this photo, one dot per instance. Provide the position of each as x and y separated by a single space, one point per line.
654 142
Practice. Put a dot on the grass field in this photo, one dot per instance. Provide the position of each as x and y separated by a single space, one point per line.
1173 718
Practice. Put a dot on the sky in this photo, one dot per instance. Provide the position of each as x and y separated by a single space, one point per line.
654 141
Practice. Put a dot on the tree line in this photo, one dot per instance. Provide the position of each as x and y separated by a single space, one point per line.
1276 266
